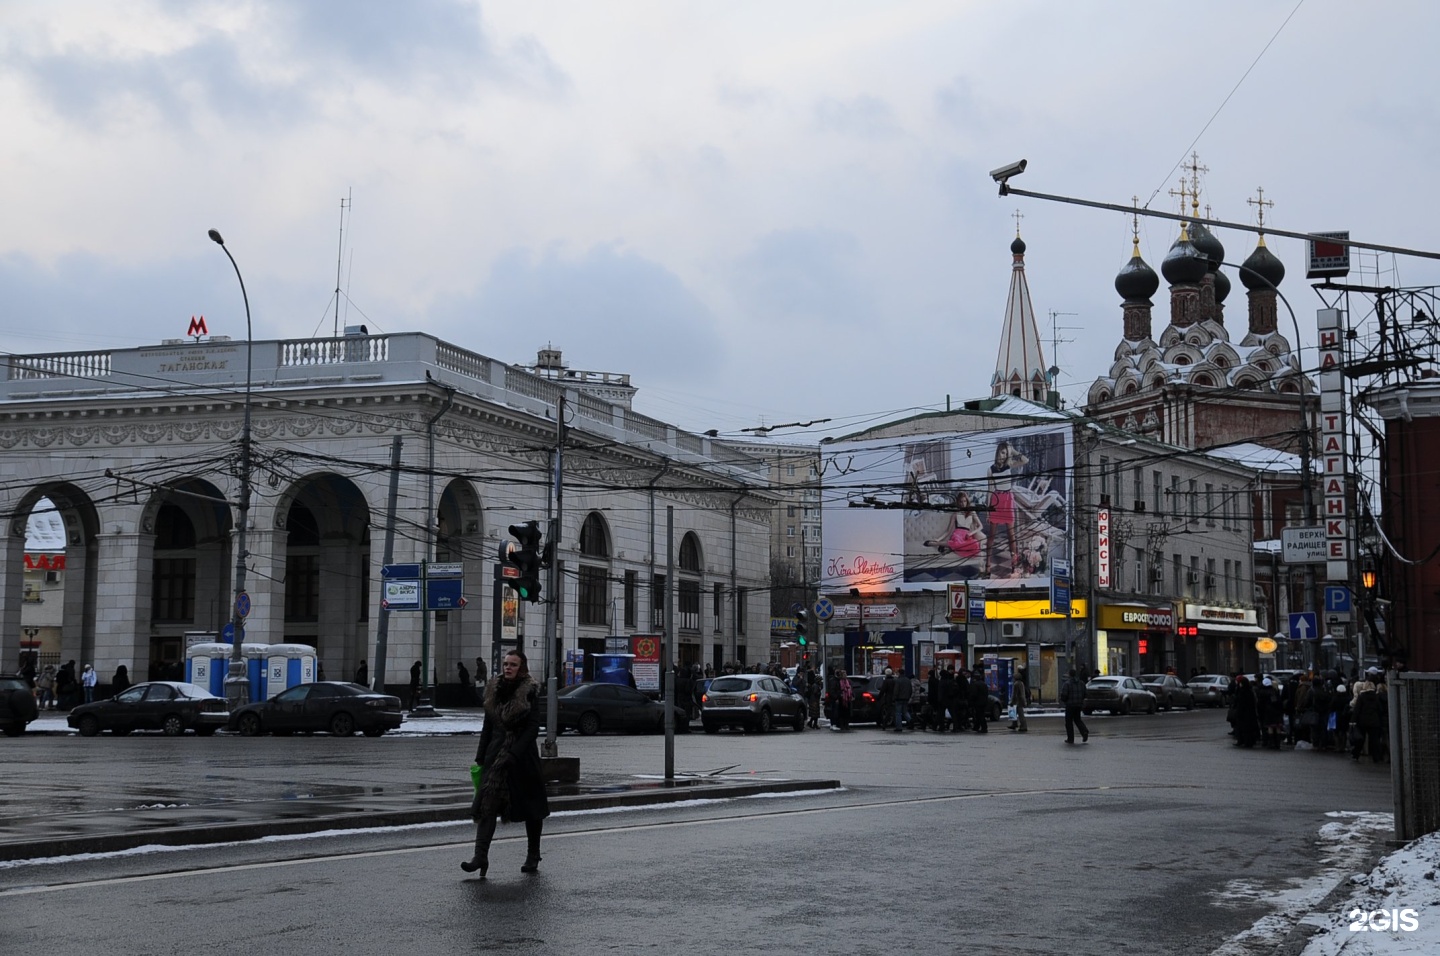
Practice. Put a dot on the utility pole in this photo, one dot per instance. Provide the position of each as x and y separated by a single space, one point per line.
382 630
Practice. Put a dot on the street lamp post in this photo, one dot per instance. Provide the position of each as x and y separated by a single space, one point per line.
237 682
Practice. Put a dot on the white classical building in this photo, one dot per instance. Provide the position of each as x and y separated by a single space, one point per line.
138 451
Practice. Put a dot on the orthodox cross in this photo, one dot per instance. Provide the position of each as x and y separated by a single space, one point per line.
1260 202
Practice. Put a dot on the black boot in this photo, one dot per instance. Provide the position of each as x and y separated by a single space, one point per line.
484 833
532 839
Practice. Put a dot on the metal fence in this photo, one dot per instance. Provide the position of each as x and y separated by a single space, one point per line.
1415 753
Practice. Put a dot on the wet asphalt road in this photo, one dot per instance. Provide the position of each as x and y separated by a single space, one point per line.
998 844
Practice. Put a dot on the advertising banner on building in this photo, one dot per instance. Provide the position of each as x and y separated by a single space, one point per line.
908 513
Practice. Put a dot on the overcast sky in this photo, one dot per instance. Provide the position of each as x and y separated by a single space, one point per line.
764 212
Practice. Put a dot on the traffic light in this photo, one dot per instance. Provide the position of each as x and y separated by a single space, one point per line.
525 556
800 622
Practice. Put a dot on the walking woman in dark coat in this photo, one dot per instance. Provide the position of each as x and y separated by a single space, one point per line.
511 786
1247 716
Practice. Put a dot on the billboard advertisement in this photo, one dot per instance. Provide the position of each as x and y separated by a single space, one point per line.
990 508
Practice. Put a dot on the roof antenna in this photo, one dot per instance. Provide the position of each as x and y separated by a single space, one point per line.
340 257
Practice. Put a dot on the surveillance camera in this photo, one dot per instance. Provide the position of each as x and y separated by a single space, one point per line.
1005 172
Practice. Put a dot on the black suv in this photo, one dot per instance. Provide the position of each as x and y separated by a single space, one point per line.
17 704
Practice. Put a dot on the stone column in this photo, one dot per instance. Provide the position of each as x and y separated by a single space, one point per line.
123 575
12 593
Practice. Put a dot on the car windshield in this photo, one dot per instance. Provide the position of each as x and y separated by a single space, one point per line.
721 684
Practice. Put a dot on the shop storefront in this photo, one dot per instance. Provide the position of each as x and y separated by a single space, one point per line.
1136 638
870 652
1224 637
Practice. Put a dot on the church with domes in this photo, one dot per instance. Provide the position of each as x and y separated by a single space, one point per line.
1197 385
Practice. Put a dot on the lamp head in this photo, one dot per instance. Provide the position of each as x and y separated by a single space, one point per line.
215 237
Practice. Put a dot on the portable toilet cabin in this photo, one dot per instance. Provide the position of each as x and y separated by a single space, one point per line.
206 665
287 665
255 658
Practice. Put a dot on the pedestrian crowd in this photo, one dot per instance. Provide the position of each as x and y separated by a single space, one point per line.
1319 711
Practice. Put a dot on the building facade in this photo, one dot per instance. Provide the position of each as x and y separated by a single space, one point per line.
138 451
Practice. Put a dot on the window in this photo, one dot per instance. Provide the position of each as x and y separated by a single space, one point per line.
632 609
1178 574
1209 581
1194 502
302 588
1225 507
1157 497
790 531
740 609
657 601
790 551
790 471
1227 579
1194 575
1175 496
688 599
790 511
1138 474
593 596
173 591
1104 475
718 610
1209 505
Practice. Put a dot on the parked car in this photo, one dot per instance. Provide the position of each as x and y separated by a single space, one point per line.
1212 690
165 705
751 701
330 706
592 707
1169 691
17 704
1119 695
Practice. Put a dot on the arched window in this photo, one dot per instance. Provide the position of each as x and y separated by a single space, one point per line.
594 537
689 584
593 592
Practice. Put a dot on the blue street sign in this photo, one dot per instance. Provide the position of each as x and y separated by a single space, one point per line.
444 594
1304 626
1060 588
1337 599
400 571
227 633
824 609
977 609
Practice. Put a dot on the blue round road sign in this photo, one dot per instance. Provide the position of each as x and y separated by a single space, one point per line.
242 604
824 609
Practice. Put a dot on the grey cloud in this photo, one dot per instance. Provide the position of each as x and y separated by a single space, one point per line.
809 276
865 117
419 46
958 105
607 310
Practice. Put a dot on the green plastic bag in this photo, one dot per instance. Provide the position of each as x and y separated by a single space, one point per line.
475 774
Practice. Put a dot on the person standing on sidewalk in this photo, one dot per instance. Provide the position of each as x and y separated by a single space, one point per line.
904 690
88 680
512 785
1019 697
45 686
1072 695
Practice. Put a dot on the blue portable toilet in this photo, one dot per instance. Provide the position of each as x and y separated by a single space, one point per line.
255 656
287 665
206 665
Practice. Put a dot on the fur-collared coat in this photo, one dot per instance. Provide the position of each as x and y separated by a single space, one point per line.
512 785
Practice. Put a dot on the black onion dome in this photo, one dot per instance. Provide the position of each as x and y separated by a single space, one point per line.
1263 261
1184 264
1208 245
1137 281
1222 286
1018 246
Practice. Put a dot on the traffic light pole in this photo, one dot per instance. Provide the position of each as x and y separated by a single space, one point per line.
552 606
